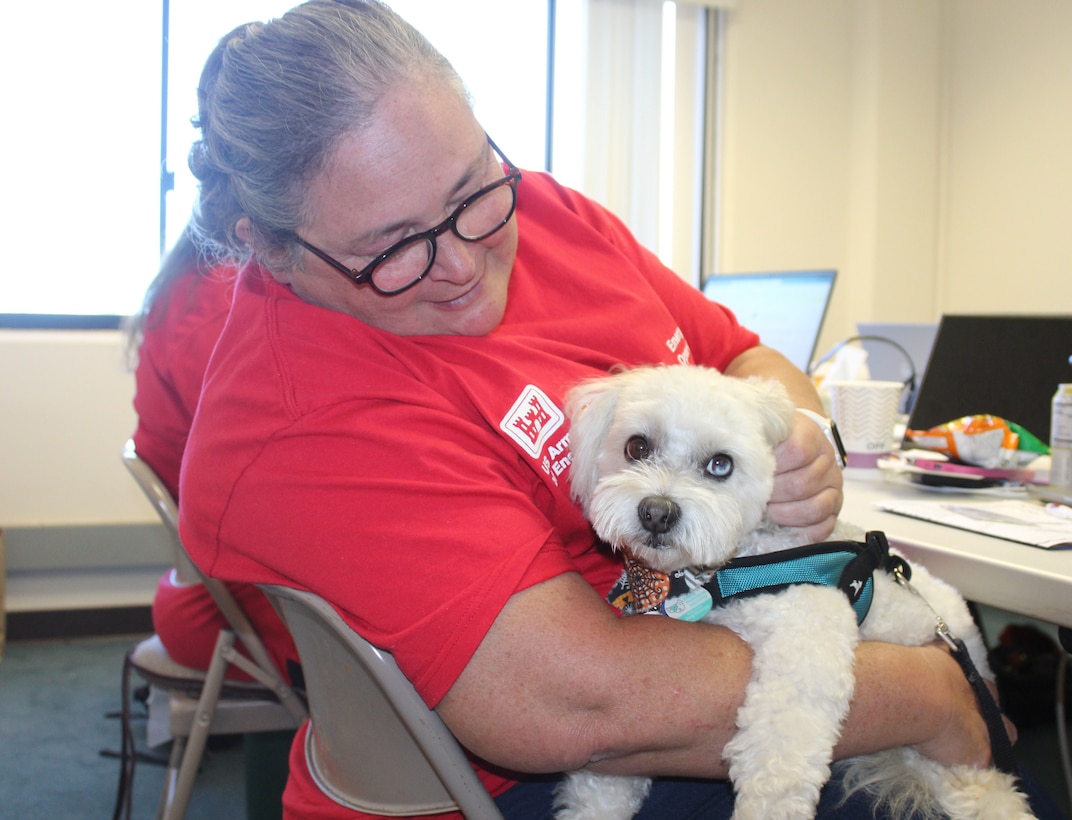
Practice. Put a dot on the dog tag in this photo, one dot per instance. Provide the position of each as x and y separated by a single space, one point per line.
690 606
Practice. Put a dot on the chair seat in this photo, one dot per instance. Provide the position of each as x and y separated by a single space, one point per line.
231 716
243 706
151 661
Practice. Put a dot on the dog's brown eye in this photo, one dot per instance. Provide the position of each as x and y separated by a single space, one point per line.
720 466
637 448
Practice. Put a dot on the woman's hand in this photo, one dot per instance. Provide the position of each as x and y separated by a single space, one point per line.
919 697
962 737
807 482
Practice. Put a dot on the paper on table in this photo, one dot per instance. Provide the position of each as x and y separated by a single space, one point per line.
1025 522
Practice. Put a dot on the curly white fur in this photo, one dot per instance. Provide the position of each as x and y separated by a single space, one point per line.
803 639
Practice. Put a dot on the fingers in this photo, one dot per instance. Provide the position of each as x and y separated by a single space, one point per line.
807 491
808 516
1010 730
1010 727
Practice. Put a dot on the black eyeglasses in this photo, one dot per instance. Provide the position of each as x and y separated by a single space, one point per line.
406 263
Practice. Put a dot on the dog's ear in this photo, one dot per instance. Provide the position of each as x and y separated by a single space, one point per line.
590 407
774 407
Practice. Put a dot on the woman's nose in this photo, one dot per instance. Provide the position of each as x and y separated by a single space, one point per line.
455 259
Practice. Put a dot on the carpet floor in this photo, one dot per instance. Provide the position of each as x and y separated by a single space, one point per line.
57 701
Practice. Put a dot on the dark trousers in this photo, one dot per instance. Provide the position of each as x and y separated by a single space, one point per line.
713 800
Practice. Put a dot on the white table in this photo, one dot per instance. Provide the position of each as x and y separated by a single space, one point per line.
1014 577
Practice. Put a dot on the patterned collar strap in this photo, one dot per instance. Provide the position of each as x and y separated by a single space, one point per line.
847 565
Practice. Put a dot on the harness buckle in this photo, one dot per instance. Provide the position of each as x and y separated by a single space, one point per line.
941 628
943 631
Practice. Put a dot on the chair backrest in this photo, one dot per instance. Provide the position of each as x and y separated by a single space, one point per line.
373 744
165 505
160 497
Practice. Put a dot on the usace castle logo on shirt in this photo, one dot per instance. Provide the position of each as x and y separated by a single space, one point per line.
535 422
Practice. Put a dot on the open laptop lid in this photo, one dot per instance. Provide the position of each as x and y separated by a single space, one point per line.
1006 366
885 362
785 308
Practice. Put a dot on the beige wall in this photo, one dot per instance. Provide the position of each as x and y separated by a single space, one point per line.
67 411
1008 213
919 146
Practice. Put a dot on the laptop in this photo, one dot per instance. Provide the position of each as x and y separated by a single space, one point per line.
785 308
1007 366
898 352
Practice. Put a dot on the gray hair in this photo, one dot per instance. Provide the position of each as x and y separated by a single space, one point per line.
273 102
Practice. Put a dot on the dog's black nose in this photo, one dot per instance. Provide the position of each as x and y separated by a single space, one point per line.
658 514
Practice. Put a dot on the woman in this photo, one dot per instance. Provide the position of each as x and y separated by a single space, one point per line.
382 424
169 343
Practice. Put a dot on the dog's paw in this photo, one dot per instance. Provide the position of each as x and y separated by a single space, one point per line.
982 794
586 796
784 807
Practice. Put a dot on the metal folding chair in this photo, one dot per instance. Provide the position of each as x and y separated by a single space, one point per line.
200 702
372 744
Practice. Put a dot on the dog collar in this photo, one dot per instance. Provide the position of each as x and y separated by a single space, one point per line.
689 596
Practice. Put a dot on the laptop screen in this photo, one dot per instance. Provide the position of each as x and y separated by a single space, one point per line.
1007 366
897 350
786 309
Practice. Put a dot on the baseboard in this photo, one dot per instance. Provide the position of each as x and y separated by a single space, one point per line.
86 547
78 623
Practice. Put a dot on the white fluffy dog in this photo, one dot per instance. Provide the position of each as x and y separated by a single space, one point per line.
674 467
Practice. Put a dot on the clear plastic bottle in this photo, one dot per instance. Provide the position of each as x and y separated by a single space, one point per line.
1061 437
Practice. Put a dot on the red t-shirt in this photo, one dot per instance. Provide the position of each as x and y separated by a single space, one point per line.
416 483
179 335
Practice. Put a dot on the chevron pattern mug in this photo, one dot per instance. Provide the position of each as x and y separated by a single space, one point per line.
866 414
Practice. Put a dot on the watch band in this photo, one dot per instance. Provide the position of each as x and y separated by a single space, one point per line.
829 428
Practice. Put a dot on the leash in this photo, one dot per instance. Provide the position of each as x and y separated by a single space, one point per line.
1000 745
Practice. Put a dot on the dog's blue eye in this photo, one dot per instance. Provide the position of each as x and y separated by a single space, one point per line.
638 448
720 466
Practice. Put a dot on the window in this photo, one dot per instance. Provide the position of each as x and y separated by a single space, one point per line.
85 164
511 104
84 172
639 112
81 178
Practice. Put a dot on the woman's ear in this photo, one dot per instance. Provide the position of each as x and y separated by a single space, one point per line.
244 231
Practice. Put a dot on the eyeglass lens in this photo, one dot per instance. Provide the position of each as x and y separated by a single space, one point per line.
476 219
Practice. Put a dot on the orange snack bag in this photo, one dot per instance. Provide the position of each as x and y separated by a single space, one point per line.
983 440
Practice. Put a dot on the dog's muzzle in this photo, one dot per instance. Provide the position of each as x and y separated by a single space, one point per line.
658 514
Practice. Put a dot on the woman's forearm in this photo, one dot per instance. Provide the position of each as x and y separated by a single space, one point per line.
914 696
559 683
769 363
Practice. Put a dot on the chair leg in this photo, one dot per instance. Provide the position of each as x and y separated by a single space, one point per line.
171 774
180 782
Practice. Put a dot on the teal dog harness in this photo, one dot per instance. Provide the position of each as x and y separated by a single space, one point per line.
689 595
848 565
